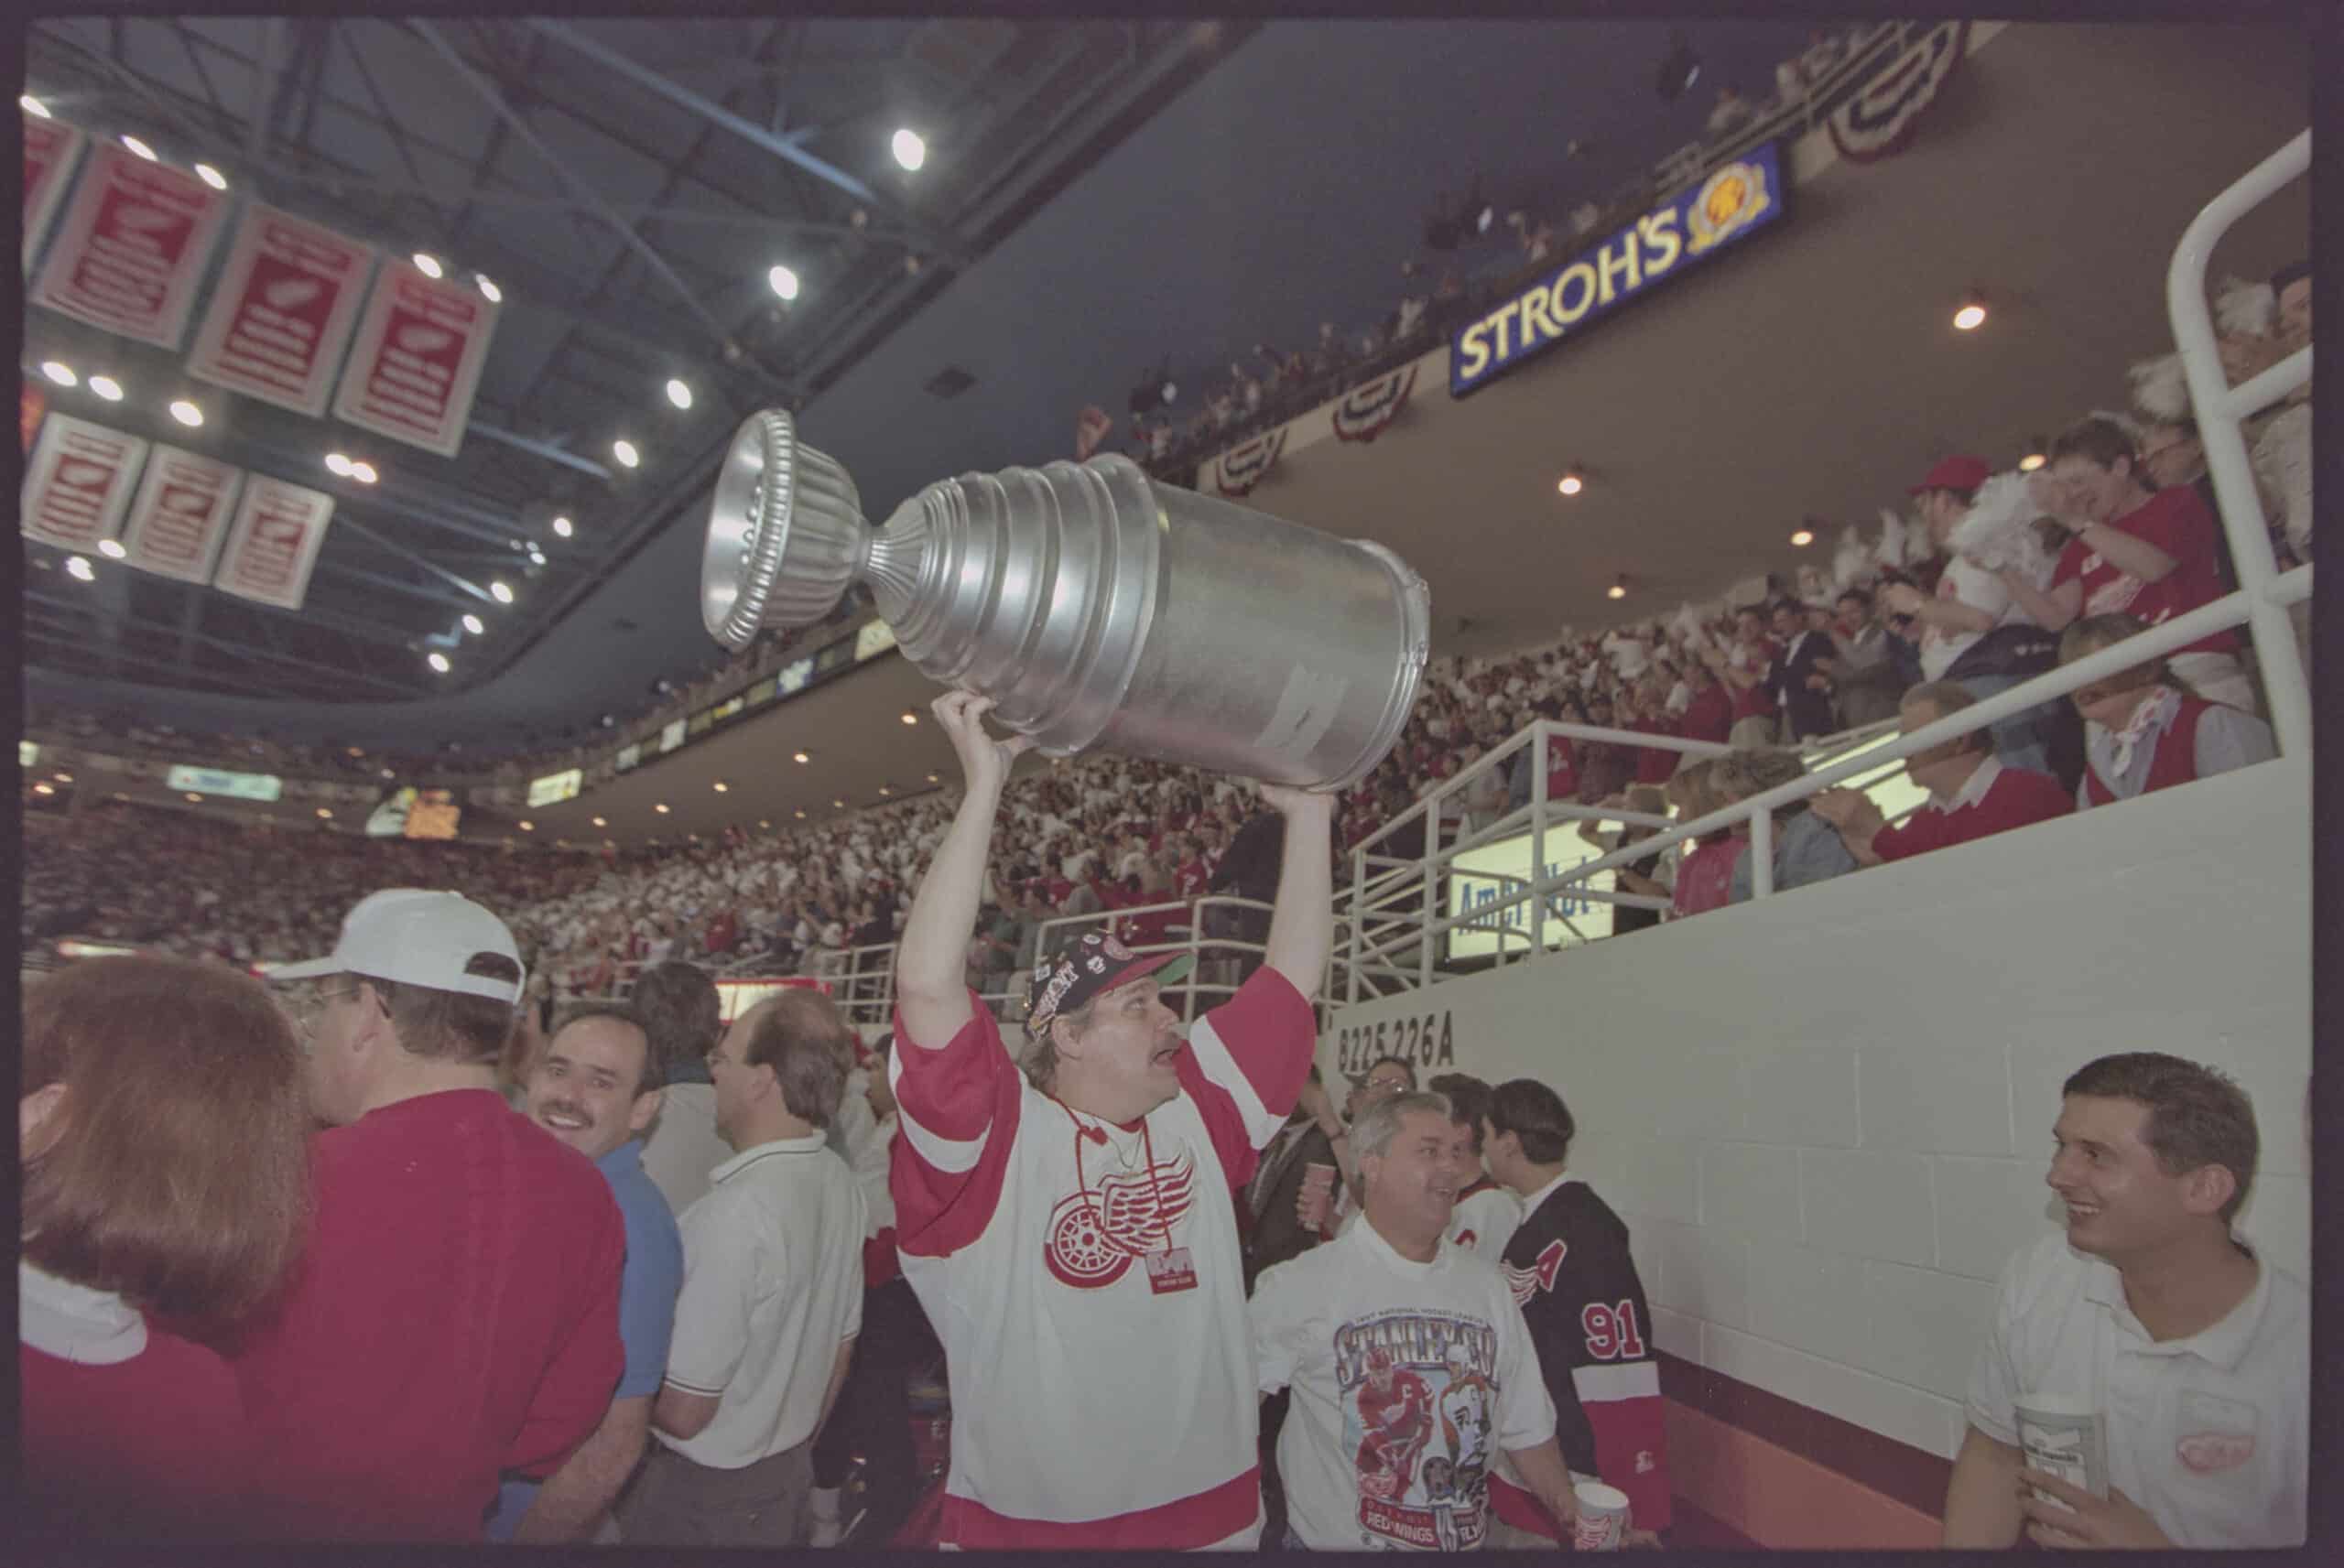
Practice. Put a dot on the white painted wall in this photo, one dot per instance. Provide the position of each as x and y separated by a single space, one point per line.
1826 1116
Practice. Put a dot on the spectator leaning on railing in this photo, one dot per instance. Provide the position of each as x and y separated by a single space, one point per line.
2143 732
1972 793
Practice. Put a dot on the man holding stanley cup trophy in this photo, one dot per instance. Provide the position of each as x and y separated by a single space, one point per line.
1063 1216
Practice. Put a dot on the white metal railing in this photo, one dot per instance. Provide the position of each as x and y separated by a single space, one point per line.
2220 409
1380 929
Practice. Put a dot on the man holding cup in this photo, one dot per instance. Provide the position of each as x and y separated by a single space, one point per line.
2147 1382
1069 1227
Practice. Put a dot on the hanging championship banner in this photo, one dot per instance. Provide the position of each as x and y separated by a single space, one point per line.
1242 468
273 543
78 483
180 515
50 148
1878 122
417 360
283 311
1363 413
133 248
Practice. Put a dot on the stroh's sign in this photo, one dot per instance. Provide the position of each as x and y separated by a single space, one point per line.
78 483
274 542
283 311
133 248
417 363
180 515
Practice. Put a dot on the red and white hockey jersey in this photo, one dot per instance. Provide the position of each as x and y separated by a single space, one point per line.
1484 1220
1570 1270
1085 1280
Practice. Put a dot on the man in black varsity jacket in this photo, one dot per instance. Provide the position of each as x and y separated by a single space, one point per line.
1569 1263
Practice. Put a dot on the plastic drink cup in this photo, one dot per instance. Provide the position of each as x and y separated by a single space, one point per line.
1603 1517
2067 1436
1318 1195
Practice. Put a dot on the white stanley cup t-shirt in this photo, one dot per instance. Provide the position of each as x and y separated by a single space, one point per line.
1085 1280
1409 1378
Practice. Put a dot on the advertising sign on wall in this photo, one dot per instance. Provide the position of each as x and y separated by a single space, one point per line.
273 543
557 787
133 248
1731 205
78 483
215 781
283 311
180 515
418 359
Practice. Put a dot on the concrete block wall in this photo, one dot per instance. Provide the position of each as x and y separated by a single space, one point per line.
1826 1116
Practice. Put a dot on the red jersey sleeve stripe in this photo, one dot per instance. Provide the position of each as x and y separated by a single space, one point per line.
1256 1049
948 1092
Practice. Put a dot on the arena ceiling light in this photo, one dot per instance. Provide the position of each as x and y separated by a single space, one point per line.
721 787
679 395
1618 590
661 808
112 549
211 177
437 661
601 822
563 527
500 592
363 473
107 387
909 149
802 757
935 778
79 566
139 148
475 625
909 717
493 295
428 265
783 282
1971 314
187 414
801 814
325 814
338 465
624 451
526 826
2036 455
1803 539
1574 480
59 372
32 105
837 804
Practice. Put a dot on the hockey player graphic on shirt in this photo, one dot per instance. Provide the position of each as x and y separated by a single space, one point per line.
1396 1409
1419 1404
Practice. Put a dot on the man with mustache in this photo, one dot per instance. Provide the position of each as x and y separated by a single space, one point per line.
595 1087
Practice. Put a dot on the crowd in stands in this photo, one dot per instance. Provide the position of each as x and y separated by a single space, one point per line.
1442 290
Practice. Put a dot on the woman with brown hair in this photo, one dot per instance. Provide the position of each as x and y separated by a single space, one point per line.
163 1131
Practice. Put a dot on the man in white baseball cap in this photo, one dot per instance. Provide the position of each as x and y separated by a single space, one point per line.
456 1314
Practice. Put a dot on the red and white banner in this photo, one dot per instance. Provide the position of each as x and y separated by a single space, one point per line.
50 148
274 542
132 247
180 515
283 311
78 482
417 360
1878 122
1363 413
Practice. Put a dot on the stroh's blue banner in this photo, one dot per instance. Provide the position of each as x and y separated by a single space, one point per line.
1732 204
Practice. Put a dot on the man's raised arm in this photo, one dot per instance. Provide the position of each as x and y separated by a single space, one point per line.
1302 921
931 989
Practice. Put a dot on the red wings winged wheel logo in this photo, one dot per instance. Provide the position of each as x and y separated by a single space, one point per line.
1093 1236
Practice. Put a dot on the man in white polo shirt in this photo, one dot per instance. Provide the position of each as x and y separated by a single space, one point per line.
2197 1352
1410 1362
772 1298
1070 1229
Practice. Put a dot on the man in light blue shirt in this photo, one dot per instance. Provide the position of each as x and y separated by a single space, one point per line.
596 1087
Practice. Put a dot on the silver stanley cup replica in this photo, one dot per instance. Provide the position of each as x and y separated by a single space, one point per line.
1098 607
